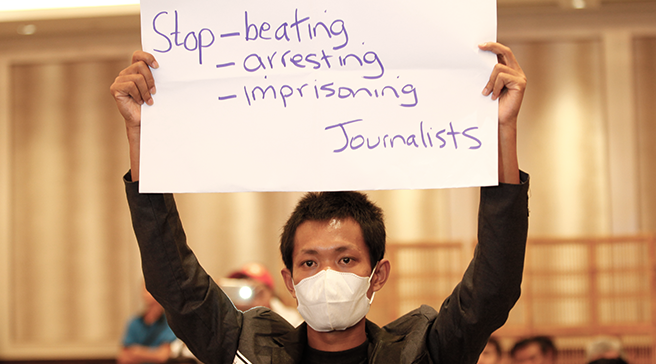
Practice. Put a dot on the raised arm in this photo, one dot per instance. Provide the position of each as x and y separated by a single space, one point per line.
198 311
133 87
481 302
507 83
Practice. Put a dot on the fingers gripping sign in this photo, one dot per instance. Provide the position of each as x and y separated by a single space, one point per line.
507 82
135 86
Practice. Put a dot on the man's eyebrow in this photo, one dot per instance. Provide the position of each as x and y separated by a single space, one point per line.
309 251
339 249
343 248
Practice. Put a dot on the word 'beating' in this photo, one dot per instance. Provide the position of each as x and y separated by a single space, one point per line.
336 29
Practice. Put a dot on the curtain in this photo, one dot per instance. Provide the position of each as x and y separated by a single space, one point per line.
645 80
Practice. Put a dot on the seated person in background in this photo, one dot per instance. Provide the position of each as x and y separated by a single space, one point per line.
534 350
605 350
148 337
492 353
264 292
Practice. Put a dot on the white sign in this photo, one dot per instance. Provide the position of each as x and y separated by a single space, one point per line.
262 95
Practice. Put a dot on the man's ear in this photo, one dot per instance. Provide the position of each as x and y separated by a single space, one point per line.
289 281
380 275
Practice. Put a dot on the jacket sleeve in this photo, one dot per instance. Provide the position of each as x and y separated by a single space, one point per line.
490 287
198 311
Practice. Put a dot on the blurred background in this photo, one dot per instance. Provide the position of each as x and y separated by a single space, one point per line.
69 266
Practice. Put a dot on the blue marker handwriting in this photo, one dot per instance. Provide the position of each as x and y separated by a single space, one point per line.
426 137
176 35
329 90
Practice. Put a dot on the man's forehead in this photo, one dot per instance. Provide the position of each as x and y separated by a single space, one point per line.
334 223
335 234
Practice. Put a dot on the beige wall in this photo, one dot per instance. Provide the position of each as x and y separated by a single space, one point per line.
69 269
645 63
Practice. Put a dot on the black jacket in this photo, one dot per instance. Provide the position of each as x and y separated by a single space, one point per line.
204 318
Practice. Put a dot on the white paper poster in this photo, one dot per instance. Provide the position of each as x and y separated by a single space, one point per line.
258 95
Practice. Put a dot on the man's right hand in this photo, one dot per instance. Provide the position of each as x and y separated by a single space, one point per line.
133 87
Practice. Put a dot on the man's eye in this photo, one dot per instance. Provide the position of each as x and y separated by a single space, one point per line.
309 263
346 260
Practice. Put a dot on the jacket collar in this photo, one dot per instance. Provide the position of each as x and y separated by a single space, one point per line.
380 340
290 346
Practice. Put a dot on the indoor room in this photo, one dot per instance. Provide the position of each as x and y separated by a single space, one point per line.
70 270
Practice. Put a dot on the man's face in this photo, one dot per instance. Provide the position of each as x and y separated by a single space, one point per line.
337 244
531 354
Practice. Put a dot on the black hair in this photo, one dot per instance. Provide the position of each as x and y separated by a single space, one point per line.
324 206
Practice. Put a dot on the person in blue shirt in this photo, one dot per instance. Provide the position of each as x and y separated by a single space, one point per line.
148 336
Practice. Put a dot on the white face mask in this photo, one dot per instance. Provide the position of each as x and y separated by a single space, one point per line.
331 300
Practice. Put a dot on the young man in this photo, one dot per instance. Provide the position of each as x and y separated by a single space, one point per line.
333 247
